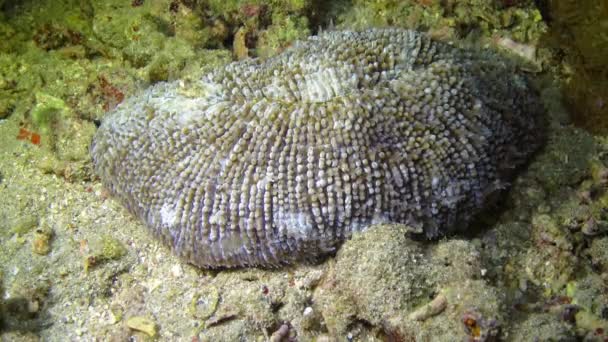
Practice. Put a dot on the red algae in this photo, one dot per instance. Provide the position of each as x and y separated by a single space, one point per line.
25 134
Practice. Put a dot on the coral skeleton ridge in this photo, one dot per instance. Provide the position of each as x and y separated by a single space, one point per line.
267 162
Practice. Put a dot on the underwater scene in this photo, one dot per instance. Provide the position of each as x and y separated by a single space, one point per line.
303 170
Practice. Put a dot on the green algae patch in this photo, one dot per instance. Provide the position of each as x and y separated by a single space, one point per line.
204 304
66 136
587 294
262 28
282 33
24 225
598 252
578 30
112 249
551 267
445 19
103 250
10 74
152 34
168 63
48 112
567 159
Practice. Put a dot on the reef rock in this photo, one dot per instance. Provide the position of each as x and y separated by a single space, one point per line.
266 162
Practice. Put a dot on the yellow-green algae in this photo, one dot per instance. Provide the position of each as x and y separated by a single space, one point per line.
149 282
103 250
446 18
578 30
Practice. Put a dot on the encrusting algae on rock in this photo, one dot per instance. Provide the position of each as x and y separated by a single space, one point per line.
264 163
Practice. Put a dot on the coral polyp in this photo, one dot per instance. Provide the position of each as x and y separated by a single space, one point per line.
268 162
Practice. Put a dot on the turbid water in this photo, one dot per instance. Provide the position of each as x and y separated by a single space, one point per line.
76 265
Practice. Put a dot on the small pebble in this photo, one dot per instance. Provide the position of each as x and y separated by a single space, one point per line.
281 334
143 324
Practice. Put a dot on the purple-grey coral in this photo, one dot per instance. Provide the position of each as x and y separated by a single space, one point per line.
266 162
